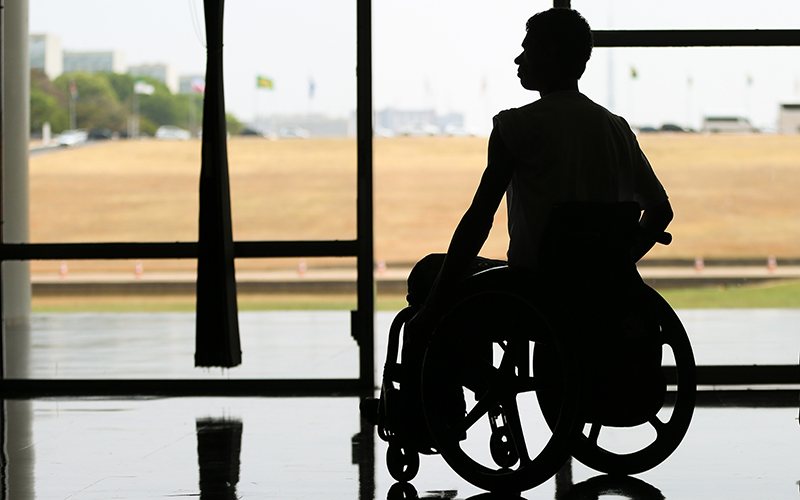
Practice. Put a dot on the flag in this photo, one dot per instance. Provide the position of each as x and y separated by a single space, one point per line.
198 85
141 87
262 82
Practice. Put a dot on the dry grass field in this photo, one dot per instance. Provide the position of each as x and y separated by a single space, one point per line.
734 195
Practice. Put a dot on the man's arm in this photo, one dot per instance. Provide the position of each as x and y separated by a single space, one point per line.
654 219
473 229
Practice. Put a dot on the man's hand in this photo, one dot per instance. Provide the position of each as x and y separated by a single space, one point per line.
654 219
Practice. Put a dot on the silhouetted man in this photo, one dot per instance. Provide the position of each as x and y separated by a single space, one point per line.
561 148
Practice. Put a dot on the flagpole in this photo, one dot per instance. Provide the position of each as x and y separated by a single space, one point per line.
255 105
135 113
73 121
262 82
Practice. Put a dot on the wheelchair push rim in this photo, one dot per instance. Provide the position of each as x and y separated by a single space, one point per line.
490 364
669 432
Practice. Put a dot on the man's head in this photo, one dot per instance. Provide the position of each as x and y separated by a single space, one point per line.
557 46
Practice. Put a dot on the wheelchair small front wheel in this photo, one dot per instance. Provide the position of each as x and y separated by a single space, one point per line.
502 448
402 462
478 367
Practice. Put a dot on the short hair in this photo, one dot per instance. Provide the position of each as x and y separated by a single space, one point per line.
567 33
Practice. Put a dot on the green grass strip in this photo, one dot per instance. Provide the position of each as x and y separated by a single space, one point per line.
774 295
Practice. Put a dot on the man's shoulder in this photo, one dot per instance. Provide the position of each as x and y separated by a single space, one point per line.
527 110
558 101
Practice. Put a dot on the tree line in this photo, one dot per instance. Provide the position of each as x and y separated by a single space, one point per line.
107 101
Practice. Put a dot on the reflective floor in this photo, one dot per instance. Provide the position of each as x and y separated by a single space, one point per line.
293 448
311 448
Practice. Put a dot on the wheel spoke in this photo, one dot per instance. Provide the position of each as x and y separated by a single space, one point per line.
657 424
483 406
511 411
507 364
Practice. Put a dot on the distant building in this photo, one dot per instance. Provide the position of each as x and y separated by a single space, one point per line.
451 124
164 73
315 125
95 62
46 55
392 121
789 119
716 124
416 122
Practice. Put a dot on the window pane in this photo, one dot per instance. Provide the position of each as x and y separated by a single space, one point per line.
289 74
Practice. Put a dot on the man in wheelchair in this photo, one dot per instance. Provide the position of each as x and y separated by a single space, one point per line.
562 148
584 205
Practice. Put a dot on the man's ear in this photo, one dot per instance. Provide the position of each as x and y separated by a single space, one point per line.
549 53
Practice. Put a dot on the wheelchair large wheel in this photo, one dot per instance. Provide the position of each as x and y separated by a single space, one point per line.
653 442
479 394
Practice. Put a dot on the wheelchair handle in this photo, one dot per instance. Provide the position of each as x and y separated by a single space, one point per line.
662 237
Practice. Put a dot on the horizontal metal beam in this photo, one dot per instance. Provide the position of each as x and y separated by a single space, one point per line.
728 375
177 250
40 388
749 398
718 376
696 38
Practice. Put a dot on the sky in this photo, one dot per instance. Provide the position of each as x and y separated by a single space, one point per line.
449 55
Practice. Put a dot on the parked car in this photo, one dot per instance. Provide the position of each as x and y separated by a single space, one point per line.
419 129
70 138
251 132
456 130
671 127
715 124
172 132
100 134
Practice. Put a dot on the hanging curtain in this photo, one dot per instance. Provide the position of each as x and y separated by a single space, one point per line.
217 324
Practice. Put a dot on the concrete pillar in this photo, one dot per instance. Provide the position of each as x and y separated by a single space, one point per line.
18 448
16 127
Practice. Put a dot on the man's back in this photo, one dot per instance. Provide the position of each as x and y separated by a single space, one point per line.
567 148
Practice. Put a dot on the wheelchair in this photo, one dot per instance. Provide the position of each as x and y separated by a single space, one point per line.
524 371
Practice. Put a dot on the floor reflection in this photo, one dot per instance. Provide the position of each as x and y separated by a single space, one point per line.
363 455
296 448
627 487
219 446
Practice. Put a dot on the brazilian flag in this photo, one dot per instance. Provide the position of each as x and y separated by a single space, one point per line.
262 82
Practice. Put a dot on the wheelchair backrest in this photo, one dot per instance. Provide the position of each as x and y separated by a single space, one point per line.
589 244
